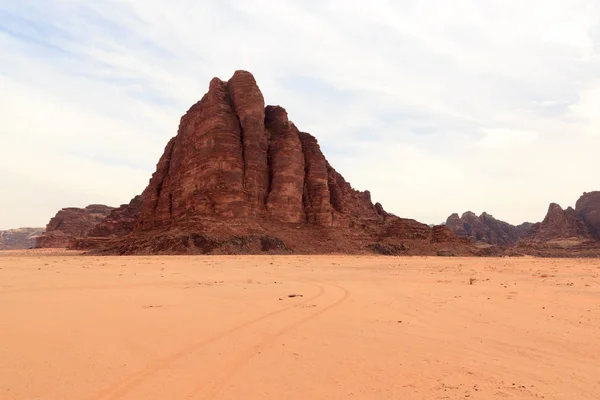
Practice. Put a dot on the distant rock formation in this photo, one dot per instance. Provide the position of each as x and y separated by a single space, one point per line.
120 221
566 233
486 229
21 238
240 177
587 209
71 223
563 232
559 224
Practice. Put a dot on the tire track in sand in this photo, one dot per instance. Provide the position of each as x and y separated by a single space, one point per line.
239 362
123 387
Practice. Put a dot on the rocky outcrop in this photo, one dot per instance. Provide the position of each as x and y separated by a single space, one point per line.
486 229
21 238
223 163
566 232
120 221
238 175
559 224
587 209
71 223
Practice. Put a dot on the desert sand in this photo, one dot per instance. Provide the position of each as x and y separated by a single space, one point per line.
361 327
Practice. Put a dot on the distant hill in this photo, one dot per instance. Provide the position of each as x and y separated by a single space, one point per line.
570 232
486 229
20 238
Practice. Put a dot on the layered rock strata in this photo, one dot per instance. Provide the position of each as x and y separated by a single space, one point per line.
71 223
240 177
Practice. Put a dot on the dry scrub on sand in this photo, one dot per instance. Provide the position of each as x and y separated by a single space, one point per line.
227 327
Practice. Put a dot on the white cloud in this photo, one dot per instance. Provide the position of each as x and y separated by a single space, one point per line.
498 138
585 111
435 106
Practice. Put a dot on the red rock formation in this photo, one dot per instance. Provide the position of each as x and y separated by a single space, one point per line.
284 201
442 234
248 106
566 233
223 163
21 238
457 225
505 234
120 221
587 209
562 233
239 177
559 224
316 196
486 229
70 223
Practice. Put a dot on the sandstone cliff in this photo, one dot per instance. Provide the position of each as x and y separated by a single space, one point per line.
240 177
120 221
71 223
21 238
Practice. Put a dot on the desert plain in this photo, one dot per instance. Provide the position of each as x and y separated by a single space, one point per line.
297 327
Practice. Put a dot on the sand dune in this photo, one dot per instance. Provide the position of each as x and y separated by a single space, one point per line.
99 328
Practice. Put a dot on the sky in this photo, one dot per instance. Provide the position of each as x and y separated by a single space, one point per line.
434 106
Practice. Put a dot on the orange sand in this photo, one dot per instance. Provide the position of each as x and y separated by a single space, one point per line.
145 328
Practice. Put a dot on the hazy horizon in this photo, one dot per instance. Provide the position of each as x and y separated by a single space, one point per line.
435 108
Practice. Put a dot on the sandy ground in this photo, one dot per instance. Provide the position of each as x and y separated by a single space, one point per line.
96 328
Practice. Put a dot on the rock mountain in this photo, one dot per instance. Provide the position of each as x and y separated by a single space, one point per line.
240 177
486 229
